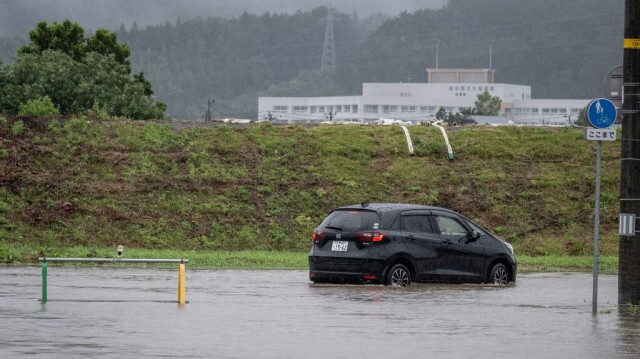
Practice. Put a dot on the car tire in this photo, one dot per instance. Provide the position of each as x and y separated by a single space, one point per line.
499 275
399 276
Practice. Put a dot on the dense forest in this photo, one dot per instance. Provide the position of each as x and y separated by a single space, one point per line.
563 49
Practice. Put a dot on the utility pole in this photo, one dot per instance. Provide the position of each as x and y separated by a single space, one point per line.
207 115
629 245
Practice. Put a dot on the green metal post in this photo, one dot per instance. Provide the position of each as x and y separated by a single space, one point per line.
44 282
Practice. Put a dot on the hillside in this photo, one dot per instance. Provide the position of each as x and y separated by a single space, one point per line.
81 182
562 49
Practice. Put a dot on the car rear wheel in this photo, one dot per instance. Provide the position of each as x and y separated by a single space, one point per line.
399 276
499 275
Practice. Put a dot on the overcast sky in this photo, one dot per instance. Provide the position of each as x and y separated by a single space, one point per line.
17 17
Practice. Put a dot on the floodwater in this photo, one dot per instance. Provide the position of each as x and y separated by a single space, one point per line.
116 312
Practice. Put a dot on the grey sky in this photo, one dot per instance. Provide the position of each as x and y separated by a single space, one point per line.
17 17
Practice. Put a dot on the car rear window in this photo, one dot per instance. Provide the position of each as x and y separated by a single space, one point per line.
352 220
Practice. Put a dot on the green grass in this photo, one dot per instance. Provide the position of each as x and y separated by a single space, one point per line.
260 259
554 263
197 259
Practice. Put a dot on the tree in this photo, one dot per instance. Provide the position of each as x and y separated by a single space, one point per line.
67 37
582 118
487 105
441 115
104 42
77 75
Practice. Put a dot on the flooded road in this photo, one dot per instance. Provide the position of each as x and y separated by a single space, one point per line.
131 312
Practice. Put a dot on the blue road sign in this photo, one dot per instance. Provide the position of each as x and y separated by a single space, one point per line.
601 113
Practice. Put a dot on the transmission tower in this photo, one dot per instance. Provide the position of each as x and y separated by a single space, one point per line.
329 51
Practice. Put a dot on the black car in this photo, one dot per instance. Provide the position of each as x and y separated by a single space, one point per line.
395 244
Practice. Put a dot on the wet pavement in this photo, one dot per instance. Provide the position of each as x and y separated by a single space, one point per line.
132 312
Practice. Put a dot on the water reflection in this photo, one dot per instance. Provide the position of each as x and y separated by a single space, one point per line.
629 331
115 312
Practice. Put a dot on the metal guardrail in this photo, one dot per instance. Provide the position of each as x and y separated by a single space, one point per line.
181 269
112 260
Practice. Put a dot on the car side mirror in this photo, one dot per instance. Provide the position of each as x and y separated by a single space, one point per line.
473 236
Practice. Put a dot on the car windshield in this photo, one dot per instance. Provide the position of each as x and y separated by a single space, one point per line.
351 220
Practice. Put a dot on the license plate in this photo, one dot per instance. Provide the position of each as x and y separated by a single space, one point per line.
339 246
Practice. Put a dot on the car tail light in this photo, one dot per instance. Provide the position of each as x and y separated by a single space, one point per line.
371 236
317 235
369 277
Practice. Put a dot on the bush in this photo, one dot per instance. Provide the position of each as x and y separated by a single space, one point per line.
17 128
40 107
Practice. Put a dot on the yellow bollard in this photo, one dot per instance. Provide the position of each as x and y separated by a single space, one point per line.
181 285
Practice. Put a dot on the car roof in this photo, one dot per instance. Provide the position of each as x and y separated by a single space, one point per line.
383 207
389 211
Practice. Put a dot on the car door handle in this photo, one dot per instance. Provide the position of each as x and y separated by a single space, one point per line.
411 238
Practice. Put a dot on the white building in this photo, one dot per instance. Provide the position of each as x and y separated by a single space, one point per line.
451 89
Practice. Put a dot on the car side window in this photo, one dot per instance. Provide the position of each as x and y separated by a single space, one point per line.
416 223
476 228
450 226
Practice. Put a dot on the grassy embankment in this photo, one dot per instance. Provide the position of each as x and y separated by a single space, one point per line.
251 196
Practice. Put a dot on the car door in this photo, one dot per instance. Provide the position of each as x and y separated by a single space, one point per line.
461 256
422 243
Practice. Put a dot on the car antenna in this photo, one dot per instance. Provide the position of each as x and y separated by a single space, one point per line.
364 204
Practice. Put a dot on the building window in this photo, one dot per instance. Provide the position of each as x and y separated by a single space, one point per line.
545 111
554 111
321 109
534 111
385 108
299 109
370 108
347 108
338 108
443 77
405 94
329 108
472 77
575 111
424 109
563 111
313 109
450 88
491 88
354 109
280 108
